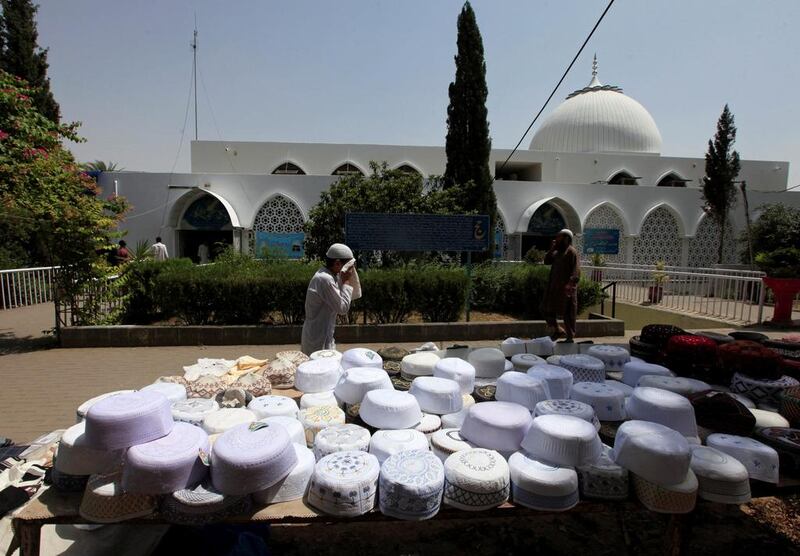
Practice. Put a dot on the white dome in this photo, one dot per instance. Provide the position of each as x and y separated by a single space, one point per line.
598 118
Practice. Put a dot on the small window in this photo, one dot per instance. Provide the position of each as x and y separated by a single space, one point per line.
672 180
624 178
407 169
347 169
289 169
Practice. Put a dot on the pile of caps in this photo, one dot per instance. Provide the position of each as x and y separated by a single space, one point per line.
469 428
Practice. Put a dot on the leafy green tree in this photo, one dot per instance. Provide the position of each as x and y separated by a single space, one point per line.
50 212
101 166
468 145
22 56
722 167
777 227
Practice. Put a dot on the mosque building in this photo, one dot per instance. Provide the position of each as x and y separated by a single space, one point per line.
594 166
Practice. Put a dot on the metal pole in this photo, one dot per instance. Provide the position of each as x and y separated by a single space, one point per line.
194 76
747 222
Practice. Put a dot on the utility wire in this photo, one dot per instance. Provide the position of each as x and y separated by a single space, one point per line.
552 94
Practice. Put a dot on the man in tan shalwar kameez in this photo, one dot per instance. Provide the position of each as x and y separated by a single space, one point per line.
561 297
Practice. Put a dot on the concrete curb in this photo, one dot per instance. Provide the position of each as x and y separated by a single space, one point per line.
150 336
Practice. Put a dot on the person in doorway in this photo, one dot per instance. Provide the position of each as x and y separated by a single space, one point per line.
329 294
561 297
202 253
123 255
159 250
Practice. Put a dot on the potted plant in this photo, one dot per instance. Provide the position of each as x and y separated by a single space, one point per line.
782 267
598 263
656 292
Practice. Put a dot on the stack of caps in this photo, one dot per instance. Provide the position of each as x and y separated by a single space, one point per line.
658 335
341 438
446 442
563 440
84 407
392 368
603 479
790 405
666 408
676 384
227 418
540 486
125 420
357 381
614 357
280 373
633 371
721 478
105 501
476 479
390 409
411 485
543 346
202 505
762 390
522 389
75 460
584 368
319 375
785 441
418 364
437 395
768 418
512 346
659 458
319 398
273 406
248 458
608 402
525 361
193 410
206 386
255 384
384 443
167 464
293 486
720 339
361 357
345 483
498 426
644 350
314 419
392 353
326 354
721 412
558 379
292 356
688 354
429 425
456 369
621 386
572 408
293 427
234 398
489 362
750 358
172 391
762 461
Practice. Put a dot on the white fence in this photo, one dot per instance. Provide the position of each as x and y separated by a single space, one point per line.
20 287
735 296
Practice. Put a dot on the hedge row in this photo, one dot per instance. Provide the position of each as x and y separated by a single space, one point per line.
240 290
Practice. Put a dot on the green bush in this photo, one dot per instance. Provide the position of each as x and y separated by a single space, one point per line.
780 263
140 280
438 294
387 299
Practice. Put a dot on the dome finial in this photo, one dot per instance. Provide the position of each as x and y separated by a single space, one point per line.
594 82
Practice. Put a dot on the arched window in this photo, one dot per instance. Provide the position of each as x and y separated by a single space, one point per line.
672 180
408 169
279 215
623 178
605 217
347 169
289 169
658 240
704 246
205 213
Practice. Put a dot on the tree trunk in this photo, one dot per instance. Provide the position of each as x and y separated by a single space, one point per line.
721 239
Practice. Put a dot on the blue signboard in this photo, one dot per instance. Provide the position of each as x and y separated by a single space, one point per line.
280 245
417 232
601 241
498 244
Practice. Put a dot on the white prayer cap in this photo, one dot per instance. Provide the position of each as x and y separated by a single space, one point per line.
339 251
567 232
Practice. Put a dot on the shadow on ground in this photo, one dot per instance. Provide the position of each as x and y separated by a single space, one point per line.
11 343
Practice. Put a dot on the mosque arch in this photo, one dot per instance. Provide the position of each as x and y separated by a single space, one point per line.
704 246
623 177
408 168
288 168
348 168
564 209
279 214
607 216
660 237
671 179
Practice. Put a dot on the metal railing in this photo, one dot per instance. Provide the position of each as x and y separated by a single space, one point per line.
735 296
21 287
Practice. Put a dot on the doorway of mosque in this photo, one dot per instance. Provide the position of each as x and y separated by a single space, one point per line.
543 226
205 222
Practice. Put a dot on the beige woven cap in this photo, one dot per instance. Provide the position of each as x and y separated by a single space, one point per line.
567 232
339 251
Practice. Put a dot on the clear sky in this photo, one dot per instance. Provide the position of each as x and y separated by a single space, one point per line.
377 71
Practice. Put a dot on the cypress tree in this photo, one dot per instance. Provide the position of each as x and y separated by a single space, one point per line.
23 58
722 168
468 144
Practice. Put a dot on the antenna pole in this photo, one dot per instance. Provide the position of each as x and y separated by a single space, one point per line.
194 75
